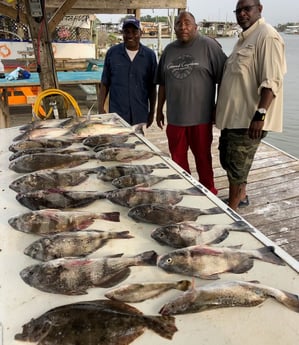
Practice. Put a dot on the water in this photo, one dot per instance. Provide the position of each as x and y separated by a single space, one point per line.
288 140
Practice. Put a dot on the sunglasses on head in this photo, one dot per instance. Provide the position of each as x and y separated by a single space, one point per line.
246 9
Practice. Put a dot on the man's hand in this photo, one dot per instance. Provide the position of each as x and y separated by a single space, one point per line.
256 129
160 119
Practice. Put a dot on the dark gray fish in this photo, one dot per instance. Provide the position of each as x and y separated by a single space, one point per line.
225 294
50 178
39 143
102 139
131 180
67 244
163 214
110 173
207 262
187 234
40 161
85 323
73 276
124 155
140 292
58 198
52 221
66 150
133 196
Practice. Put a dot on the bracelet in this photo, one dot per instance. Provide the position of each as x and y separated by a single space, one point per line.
259 116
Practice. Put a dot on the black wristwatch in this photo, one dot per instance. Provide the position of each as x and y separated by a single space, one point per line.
260 115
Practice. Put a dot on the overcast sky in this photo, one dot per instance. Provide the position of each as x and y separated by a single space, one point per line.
275 11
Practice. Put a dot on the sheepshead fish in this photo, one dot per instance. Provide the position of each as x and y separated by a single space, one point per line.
91 128
50 178
85 323
187 234
110 173
103 139
40 161
69 244
67 150
123 154
225 294
133 293
38 133
207 262
52 221
168 214
133 196
131 180
58 198
40 143
73 276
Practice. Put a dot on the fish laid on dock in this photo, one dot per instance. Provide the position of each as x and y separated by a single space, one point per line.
131 180
39 161
112 172
50 178
73 276
38 133
102 139
187 234
207 262
71 244
84 323
52 221
58 198
225 294
120 154
139 292
39 143
168 214
91 128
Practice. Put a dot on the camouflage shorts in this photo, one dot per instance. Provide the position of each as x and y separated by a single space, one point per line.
236 151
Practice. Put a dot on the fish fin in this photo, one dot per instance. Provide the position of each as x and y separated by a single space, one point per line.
243 266
184 285
174 177
111 216
240 225
268 254
116 278
191 191
288 299
162 325
209 277
148 257
114 255
221 238
124 234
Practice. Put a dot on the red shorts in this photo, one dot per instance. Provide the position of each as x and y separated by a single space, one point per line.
199 138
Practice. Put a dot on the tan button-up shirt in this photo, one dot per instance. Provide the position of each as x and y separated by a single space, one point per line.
257 61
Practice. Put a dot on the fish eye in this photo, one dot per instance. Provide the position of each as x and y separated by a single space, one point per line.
169 260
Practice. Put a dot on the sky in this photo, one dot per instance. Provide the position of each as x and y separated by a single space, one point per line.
275 11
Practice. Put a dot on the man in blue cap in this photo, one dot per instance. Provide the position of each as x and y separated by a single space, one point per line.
128 77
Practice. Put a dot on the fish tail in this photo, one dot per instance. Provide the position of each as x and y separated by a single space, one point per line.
268 254
160 166
174 177
183 285
124 234
147 258
213 210
240 225
111 216
288 299
162 325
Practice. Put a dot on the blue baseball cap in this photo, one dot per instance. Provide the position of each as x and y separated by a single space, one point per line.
131 21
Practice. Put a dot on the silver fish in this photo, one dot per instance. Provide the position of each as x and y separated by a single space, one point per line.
133 293
73 276
39 161
123 155
50 178
168 214
58 198
91 128
65 244
103 139
39 143
49 123
112 172
52 221
225 294
39 133
187 234
207 262
85 323
131 180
